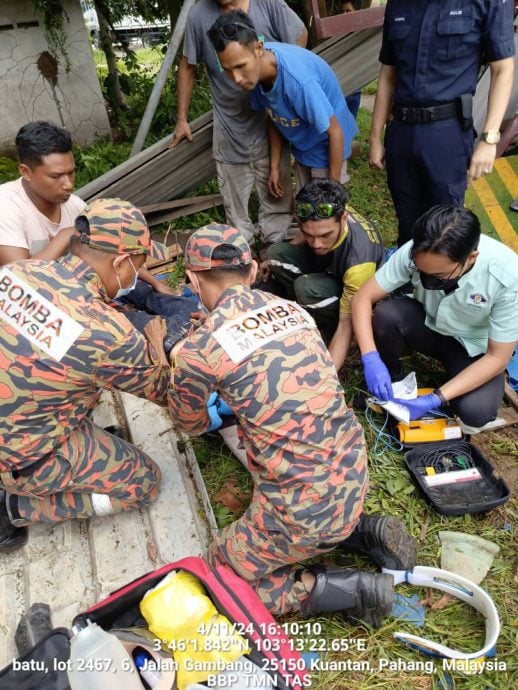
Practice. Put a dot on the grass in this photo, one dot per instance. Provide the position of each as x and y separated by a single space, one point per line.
368 191
370 88
392 491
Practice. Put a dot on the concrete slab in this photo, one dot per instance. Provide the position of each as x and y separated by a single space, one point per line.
72 565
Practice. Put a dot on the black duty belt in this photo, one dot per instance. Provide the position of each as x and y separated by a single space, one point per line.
433 113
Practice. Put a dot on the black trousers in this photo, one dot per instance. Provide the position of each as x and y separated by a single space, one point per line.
426 165
399 325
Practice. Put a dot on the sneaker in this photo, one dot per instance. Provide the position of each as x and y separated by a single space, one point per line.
385 540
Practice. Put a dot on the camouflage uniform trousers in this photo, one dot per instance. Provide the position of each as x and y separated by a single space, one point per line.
92 473
255 554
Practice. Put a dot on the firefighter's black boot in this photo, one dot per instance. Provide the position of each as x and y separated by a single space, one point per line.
384 540
11 537
359 595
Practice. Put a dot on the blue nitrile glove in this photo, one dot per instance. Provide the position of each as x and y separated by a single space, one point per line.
377 376
421 405
222 407
212 411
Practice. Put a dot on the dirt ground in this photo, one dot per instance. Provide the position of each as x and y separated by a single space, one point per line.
501 449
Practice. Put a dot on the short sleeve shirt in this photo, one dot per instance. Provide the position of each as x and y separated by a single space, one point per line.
305 95
240 135
356 256
484 305
438 46
22 225
60 343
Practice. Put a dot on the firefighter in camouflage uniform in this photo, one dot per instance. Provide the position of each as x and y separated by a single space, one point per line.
305 449
60 344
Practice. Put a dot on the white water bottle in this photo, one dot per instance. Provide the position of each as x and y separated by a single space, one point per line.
99 661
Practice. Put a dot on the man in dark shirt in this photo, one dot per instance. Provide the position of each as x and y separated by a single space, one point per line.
334 254
431 56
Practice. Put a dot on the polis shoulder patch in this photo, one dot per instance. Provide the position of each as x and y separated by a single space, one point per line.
35 318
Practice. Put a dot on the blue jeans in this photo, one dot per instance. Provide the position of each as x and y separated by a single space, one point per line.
176 311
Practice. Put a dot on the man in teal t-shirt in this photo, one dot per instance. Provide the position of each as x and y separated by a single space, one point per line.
300 93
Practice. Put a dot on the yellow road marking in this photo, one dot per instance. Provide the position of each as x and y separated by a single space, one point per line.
496 215
508 176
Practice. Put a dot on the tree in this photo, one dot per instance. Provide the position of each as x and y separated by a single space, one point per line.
109 12
150 11
105 42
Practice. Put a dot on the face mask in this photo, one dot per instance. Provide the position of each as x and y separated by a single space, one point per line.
122 292
430 282
196 287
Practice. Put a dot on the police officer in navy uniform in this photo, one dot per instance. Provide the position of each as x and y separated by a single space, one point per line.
431 55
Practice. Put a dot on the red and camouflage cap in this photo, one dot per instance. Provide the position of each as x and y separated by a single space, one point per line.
202 243
119 227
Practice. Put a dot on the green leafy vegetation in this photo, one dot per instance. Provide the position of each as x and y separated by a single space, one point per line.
54 17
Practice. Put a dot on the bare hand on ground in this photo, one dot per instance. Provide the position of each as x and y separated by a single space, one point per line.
155 332
155 329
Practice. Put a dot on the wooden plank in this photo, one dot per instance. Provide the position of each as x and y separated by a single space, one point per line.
341 24
166 216
508 415
177 203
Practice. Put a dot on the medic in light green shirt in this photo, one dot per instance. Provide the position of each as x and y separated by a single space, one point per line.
463 311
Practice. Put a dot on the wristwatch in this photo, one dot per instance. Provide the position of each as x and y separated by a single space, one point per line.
491 137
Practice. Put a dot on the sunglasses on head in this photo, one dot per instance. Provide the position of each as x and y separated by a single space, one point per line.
304 209
230 31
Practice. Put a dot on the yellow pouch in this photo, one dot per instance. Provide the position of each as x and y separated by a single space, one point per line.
184 619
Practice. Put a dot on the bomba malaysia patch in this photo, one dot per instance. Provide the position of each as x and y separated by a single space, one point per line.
253 329
35 318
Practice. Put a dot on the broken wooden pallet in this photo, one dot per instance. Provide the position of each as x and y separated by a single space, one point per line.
169 210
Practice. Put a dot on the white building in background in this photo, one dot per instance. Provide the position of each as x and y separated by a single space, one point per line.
34 87
130 29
